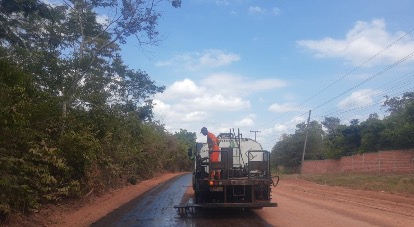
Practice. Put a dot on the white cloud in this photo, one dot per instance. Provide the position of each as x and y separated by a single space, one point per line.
245 122
175 117
210 102
361 43
102 19
161 108
166 63
230 84
282 108
222 2
218 102
256 10
181 90
275 11
194 116
359 98
211 58
187 93
280 128
187 103
271 135
215 58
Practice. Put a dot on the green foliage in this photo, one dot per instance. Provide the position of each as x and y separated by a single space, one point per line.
31 170
187 140
371 130
186 137
13 13
394 132
399 126
34 177
73 116
288 151
398 104
79 149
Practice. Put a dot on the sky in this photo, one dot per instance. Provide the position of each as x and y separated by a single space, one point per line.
262 65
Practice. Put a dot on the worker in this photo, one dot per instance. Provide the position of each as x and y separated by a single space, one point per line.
213 145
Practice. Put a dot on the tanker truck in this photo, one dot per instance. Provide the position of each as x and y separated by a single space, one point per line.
245 178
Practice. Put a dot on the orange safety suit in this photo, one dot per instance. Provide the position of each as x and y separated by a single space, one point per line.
213 145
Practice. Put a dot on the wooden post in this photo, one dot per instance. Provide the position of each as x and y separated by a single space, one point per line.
304 146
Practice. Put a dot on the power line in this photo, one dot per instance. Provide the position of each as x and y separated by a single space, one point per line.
370 78
345 75
403 81
365 81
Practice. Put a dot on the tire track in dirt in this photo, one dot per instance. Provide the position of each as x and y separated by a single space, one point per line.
393 203
303 203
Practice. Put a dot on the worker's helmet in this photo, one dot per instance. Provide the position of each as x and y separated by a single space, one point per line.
203 129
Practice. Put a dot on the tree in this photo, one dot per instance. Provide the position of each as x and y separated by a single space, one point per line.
76 57
314 146
334 139
61 60
397 104
371 130
399 127
187 141
287 152
331 124
31 170
93 47
188 138
14 16
352 137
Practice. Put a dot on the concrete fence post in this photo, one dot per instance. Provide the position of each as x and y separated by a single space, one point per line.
379 163
393 159
363 161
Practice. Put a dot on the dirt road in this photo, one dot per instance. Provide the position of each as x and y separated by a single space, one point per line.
303 203
156 208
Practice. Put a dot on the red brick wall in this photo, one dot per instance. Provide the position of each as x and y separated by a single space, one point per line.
398 161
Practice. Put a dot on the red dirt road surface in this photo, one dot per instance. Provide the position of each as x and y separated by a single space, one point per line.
303 203
300 203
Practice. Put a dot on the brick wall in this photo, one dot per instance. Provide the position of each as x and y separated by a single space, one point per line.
397 161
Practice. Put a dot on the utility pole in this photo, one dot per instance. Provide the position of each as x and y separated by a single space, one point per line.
304 146
254 134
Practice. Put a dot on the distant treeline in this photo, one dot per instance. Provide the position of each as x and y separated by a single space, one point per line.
330 139
73 117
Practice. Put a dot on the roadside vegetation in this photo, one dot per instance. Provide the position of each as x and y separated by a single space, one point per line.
394 183
331 139
74 119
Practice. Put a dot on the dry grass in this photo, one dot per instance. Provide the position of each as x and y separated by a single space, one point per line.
401 183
